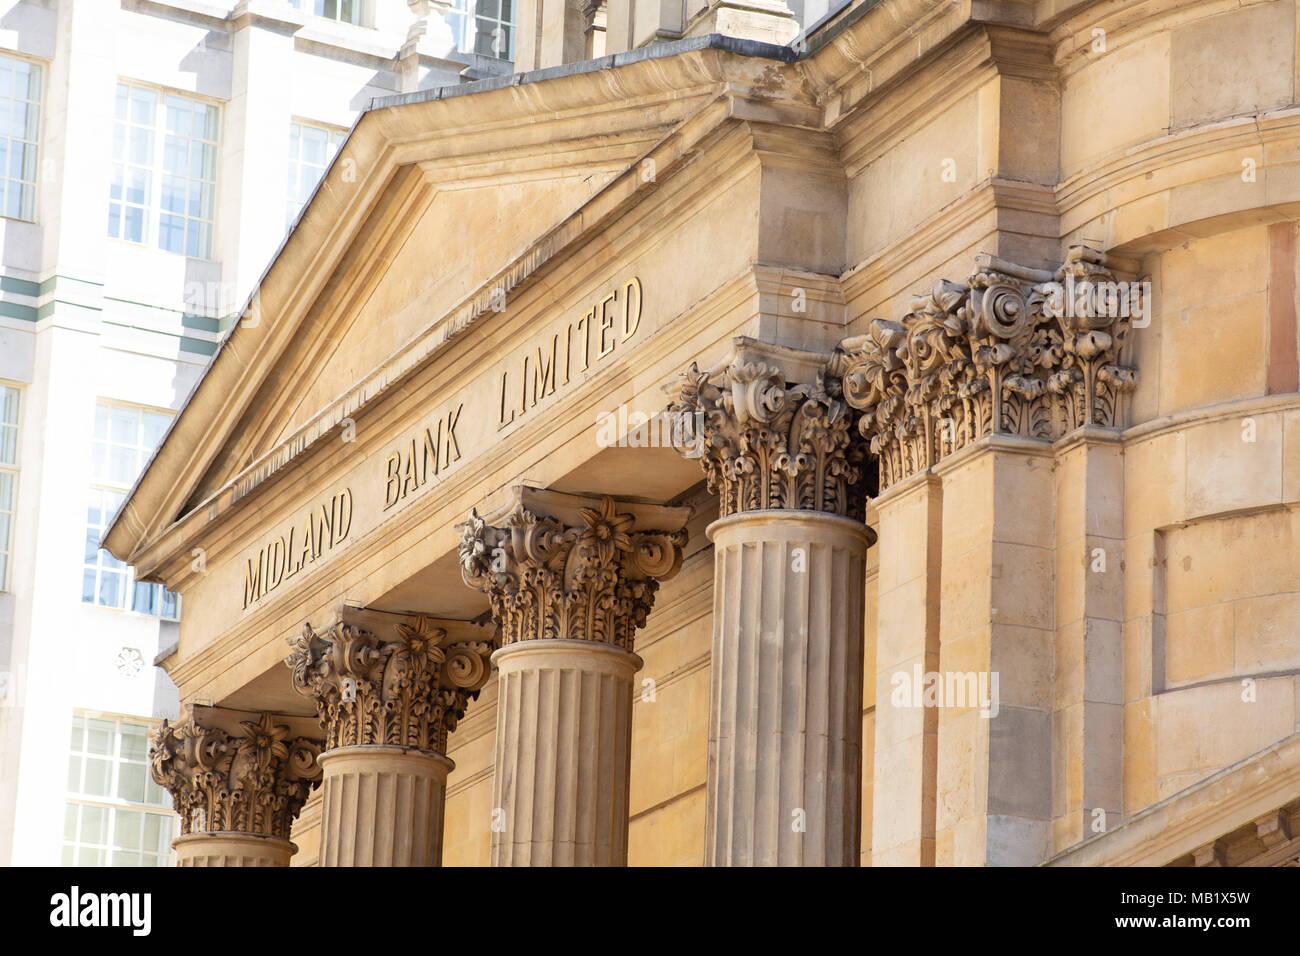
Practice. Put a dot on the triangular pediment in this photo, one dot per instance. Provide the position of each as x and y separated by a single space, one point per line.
449 244
431 202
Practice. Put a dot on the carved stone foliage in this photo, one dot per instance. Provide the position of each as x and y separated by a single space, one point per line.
593 580
255 781
407 690
765 443
1012 351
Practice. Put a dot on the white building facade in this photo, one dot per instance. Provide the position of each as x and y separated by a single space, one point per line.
152 155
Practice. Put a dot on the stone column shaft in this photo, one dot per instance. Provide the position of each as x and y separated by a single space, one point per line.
382 806
571 579
785 759
564 728
785 737
232 849
388 688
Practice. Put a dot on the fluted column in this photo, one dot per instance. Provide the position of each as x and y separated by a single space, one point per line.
570 579
388 689
785 750
237 780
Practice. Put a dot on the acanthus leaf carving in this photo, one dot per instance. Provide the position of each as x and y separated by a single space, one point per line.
255 781
407 691
594 579
1011 351
767 443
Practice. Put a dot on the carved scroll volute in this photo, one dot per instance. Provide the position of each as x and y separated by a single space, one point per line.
588 571
1012 350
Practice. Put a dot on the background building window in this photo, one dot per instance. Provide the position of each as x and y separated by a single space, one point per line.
8 476
116 815
125 437
485 27
310 150
344 11
164 181
20 110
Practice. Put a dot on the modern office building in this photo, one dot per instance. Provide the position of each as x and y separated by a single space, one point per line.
153 154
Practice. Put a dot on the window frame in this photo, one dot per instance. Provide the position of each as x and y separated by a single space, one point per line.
153 211
365 21
464 16
40 124
112 803
295 162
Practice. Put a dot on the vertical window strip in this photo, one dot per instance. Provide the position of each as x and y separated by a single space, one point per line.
164 178
124 438
20 109
311 148
9 406
115 814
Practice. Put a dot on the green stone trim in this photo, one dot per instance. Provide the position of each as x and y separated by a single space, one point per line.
20 286
201 322
13 310
198 346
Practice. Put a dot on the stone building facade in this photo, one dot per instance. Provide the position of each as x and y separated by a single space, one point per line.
877 449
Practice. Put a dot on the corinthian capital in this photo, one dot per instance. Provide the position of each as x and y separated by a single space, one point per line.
767 442
562 566
230 771
1011 350
389 678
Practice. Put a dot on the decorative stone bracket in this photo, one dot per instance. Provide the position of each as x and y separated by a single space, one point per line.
571 567
252 780
406 690
1010 351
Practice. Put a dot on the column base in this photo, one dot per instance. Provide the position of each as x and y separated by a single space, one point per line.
785 730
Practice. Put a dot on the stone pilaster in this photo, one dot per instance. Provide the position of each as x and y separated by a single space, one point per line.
570 579
237 780
388 689
785 757
962 401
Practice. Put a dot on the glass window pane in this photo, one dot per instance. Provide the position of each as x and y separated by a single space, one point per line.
99 774
122 465
94 825
144 106
135 746
127 825
133 224
74 775
99 737
111 589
